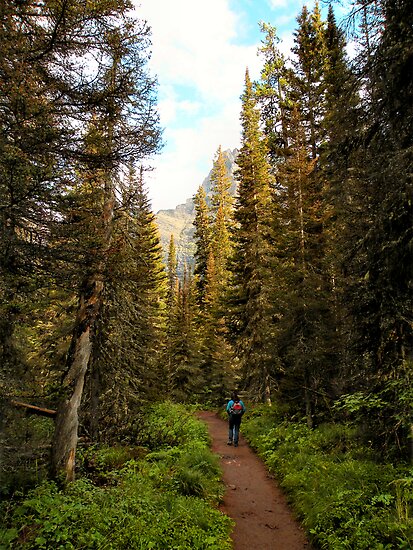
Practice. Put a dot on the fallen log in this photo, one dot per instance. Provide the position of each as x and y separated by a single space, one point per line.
50 413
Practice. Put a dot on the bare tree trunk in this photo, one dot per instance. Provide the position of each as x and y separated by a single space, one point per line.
67 418
90 303
267 389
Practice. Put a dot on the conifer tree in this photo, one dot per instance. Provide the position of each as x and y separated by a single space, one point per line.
305 321
202 237
130 336
341 117
309 82
251 308
305 332
125 125
212 233
270 91
185 380
215 351
221 217
172 267
378 258
171 310
90 305
52 93
30 136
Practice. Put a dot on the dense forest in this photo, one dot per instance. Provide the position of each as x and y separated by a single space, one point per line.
302 287
302 291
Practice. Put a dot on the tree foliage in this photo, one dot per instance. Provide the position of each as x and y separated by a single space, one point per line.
69 128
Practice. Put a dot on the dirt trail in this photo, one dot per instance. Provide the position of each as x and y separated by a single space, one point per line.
263 520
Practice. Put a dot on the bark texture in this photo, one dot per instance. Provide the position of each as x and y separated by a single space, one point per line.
67 418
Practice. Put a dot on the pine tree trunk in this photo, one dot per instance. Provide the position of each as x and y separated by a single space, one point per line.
268 390
67 418
308 409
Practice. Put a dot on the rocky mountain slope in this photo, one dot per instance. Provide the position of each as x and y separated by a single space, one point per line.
179 221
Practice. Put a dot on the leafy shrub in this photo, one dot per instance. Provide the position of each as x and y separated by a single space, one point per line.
169 425
101 464
161 500
198 473
345 499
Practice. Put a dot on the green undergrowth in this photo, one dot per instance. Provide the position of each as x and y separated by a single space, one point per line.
344 497
161 494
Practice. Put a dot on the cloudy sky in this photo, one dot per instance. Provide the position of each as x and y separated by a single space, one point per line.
200 52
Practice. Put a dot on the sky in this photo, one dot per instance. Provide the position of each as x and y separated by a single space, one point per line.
200 51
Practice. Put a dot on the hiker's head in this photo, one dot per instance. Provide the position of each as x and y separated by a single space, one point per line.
234 396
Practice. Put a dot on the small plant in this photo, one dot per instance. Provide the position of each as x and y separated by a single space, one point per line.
404 498
198 473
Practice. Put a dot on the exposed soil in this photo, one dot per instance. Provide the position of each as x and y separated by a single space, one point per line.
263 520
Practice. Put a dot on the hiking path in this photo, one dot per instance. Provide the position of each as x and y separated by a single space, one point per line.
263 519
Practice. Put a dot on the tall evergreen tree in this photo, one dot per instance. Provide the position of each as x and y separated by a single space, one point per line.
309 81
172 268
215 351
52 93
221 214
305 332
341 117
171 309
202 238
270 91
125 125
251 308
130 335
30 138
185 379
379 258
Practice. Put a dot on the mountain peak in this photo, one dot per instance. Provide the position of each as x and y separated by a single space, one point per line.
178 221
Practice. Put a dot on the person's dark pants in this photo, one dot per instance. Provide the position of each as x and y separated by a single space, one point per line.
234 424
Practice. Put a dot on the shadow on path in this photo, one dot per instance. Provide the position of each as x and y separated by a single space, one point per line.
263 520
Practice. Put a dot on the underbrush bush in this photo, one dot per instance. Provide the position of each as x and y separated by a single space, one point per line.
198 473
163 497
345 499
102 464
25 450
169 425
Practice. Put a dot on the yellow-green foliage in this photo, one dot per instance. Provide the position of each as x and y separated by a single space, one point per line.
345 499
163 498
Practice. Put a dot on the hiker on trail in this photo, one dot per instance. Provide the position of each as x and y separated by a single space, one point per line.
235 410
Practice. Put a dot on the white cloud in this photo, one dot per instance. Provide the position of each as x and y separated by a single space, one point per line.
278 3
200 62
192 44
188 159
184 32
170 106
